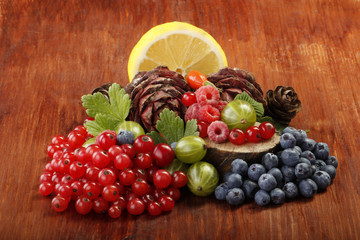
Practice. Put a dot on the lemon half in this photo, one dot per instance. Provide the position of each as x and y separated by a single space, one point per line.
180 46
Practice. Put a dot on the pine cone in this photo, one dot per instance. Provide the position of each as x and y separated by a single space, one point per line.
153 91
233 81
104 89
282 104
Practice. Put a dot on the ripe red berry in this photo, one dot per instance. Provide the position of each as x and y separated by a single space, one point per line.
100 159
90 151
135 206
154 208
202 127
81 156
83 205
45 177
58 139
150 173
106 139
51 149
267 130
174 193
114 211
75 139
179 179
140 187
162 178
127 177
237 136
121 202
252 134
59 204
106 177
195 79
110 193
100 205
167 203
77 188
114 151
188 99
129 150
144 144
91 190
46 188
143 160
82 130
218 131
92 173
209 114
122 161
207 95
77 169
163 155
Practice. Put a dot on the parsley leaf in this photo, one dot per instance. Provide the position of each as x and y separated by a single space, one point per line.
108 114
259 108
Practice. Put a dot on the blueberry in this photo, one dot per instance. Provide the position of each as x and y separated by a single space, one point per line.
309 155
298 135
287 140
267 182
262 198
278 154
322 179
239 166
305 160
226 176
290 157
255 170
307 188
330 169
270 160
235 196
303 136
321 151
234 180
303 170
291 190
332 160
298 149
308 144
288 173
173 145
250 188
277 196
319 163
125 137
277 175
221 190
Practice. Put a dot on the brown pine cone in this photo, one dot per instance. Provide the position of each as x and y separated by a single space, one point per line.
282 104
234 81
153 91
104 89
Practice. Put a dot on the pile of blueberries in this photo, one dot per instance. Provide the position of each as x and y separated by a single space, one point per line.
302 168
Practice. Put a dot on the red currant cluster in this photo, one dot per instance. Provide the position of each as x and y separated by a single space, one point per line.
205 106
105 177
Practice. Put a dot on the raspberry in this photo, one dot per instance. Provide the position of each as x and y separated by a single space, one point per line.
207 95
220 105
192 112
209 114
218 131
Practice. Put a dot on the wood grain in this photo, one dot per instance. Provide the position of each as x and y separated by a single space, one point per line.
53 52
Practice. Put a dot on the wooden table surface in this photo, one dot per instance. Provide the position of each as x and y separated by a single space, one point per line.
53 52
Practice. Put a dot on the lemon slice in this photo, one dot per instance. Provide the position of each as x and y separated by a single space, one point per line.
180 46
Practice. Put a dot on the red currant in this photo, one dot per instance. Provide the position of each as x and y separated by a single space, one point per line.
162 178
267 130
174 193
237 136
121 202
122 161
65 190
114 151
100 159
77 169
100 205
144 144
188 99
48 168
163 154
140 187
77 188
154 208
127 177
81 156
45 177
63 165
82 130
106 177
167 203
58 154
179 179
147 199
59 204
91 190
120 187
58 139
91 149
130 196
202 127
75 139
114 211
140 173
92 173
51 149
143 160
67 179
106 139
158 193
46 188
135 206
110 193
252 134
150 173
129 150
83 205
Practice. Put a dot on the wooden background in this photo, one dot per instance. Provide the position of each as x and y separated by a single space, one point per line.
53 52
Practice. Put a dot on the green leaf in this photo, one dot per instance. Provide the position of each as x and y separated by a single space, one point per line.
101 123
259 108
191 128
170 126
156 137
279 127
95 103
120 101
